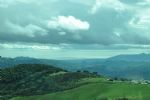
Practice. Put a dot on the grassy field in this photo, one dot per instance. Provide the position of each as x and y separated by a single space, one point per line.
98 89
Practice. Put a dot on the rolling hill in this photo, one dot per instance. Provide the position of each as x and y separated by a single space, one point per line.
98 89
45 82
37 79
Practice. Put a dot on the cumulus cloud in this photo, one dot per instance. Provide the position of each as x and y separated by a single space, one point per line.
69 23
29 30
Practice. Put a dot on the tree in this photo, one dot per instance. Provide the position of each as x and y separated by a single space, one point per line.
95 73
122 98
78 71
85 71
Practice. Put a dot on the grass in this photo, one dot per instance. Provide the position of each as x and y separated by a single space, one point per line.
96 89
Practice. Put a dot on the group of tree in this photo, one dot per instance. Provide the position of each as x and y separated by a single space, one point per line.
35 79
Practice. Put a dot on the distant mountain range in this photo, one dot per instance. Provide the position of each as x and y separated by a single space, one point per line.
134 57
136 66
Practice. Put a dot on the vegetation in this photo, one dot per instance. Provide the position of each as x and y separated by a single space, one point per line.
18 72
36 79
43 82
98 89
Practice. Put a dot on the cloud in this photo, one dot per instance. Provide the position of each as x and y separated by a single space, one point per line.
69 23
7 3
141 20
29 30
29 46
62 33
138 26
114 4
84 2
54 21
98 25
61 47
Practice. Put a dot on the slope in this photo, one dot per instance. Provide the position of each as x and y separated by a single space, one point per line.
99 90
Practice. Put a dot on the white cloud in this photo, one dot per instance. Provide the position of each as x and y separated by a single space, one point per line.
132 46
62 33
142 3
29 46
141 20
114 4
29 30
141 24
84 2
69 23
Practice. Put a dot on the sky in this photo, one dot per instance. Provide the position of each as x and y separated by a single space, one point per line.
69 29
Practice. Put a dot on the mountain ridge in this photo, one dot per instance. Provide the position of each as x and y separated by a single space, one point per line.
135 66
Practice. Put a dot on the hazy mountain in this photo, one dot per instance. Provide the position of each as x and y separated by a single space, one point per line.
134 57
66 64
135 66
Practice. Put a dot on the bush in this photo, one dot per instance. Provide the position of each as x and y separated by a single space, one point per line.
122 98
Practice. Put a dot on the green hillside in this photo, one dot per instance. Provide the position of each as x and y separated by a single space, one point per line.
43 82
98 89
37 79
